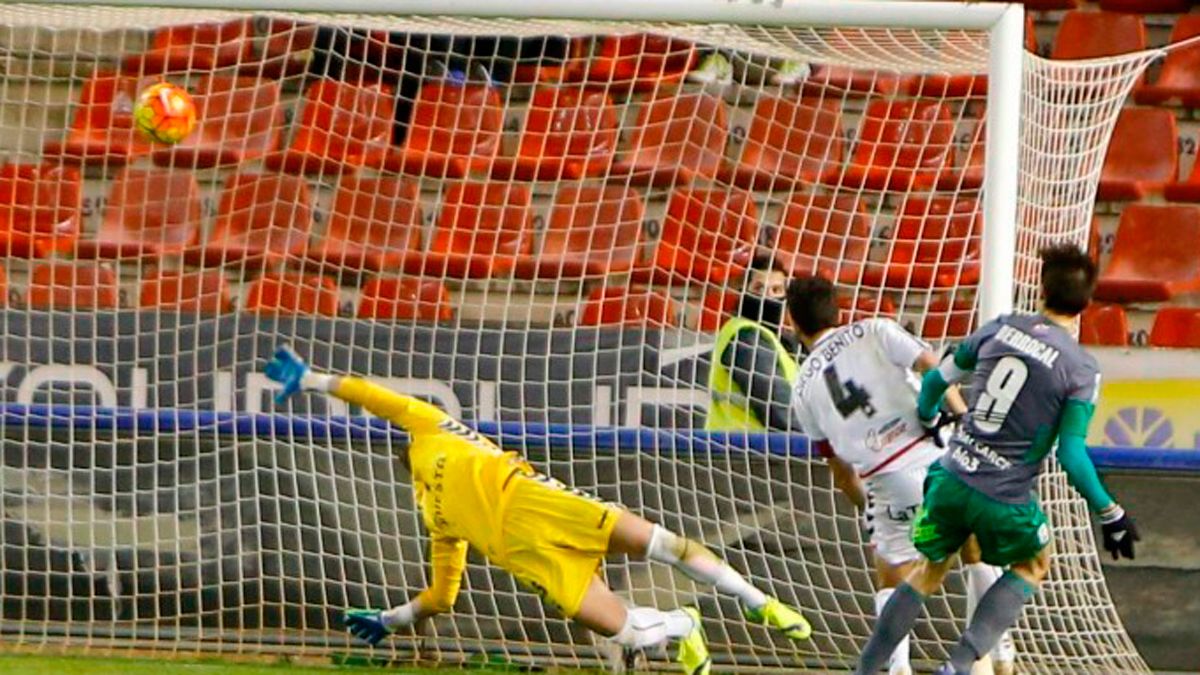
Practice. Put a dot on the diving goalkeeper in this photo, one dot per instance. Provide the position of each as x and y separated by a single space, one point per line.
551 537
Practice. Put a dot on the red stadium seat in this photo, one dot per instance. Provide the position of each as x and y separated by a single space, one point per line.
340 123
901 144
1146 6
616 306
375 223
287 48
865 306
1088 35
592 231
102 130
40 208
641 63
405 299
481 231
1176 327
455 129
1049 4
675 140
195 47
707 236
1187 190
833 81
715 309
150 212
239 119
262 218
1156 255
1105 325
821 234
59 284
946 319
205 291
789 142
936 246
1143 155
1180 73
570 132
293 293
969 176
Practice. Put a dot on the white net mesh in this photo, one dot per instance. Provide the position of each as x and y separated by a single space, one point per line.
537 224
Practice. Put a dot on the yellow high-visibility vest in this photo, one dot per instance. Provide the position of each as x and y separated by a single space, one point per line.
729 409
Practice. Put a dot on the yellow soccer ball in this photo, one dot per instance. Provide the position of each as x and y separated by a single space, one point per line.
165 113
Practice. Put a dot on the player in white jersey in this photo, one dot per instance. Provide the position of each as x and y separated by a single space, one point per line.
856 398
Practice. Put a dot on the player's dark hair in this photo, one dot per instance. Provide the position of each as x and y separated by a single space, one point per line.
1068 278
812 302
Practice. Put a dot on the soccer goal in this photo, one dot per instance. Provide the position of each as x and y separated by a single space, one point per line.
537 215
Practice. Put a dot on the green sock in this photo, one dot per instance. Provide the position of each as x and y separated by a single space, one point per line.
896 620
998 610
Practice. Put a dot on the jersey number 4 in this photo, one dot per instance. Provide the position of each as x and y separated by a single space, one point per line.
847 396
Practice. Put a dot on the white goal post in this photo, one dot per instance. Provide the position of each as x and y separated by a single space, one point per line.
193 516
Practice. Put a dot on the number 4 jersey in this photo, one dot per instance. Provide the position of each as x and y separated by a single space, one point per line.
1024 370
857 390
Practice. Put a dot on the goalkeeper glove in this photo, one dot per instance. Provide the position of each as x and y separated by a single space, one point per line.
1120 532
289 370
936 428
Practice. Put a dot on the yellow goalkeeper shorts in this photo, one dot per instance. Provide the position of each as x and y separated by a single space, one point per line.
555 539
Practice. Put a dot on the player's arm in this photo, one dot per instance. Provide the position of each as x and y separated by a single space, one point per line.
953 369
289 370
448 559
845 478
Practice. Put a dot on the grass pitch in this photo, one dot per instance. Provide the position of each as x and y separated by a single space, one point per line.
85 665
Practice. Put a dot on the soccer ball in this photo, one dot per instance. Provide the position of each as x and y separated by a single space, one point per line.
165 113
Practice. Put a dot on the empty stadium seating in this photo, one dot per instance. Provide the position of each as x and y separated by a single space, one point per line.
676 139
834 80
481 231
1143 155
195 47
375 223
1087 35
1156 255
716 307
405 299
865 306
203 291
936 245
340 123
592 231
789 142
1187 190
149 212
293 293
820 234
1179 77
1146 6
569 132
948 317
455 129
263 219
39 209
1050 4
240 119
901 144
945 85
1104 324
640 63
66 285
636 307
286 48
102 130
1176 327
707 236
969 175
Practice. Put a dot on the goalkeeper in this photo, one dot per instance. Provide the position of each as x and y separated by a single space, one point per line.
551 537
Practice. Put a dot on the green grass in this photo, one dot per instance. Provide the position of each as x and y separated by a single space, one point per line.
70 665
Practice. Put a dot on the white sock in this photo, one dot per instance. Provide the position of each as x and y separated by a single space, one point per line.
980 577
402 615
701 565
900 656
313 381
647 627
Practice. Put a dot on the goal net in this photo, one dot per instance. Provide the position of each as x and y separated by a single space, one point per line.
539 224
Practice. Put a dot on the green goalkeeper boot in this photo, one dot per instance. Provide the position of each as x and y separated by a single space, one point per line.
693 648
780 617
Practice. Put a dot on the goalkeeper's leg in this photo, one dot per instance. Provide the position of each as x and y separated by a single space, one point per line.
639 628
639 538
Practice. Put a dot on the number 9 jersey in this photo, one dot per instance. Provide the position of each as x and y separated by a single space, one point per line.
856 390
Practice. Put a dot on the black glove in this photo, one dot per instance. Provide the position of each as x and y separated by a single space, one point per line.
1119 535
933 427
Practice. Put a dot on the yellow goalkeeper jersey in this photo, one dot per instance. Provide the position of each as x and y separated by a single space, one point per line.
458 475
